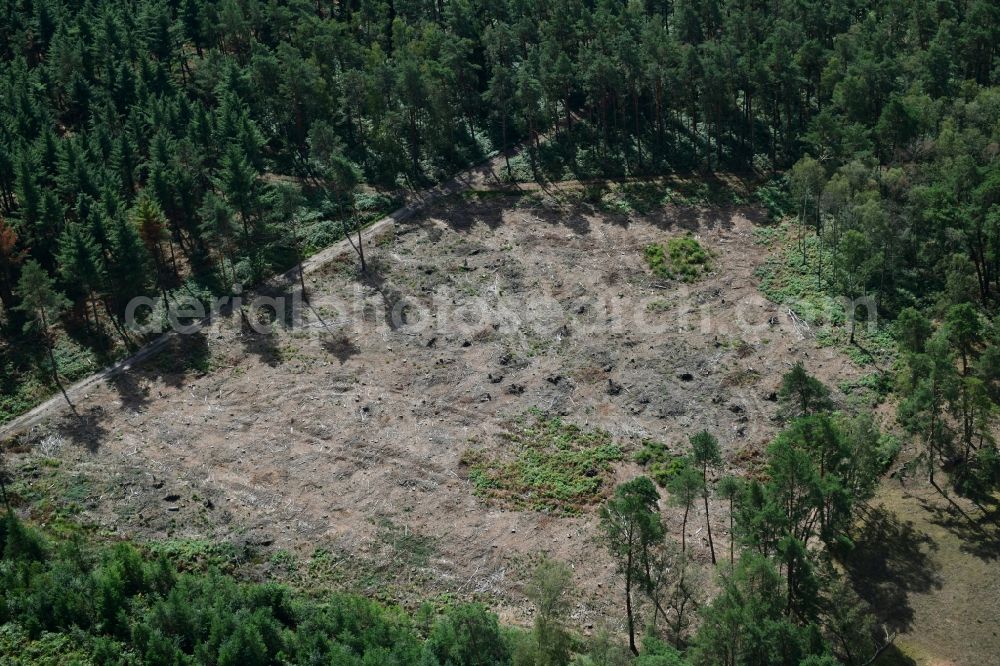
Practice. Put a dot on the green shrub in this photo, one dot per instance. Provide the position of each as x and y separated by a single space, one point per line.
661 463
468 635
683 258
550 465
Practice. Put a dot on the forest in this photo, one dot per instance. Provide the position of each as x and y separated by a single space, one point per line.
174 148
163 148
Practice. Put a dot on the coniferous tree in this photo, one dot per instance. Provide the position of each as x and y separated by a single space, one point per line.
81 264
685 486
151 226
729 488
705 453
42 305
802 393
630 522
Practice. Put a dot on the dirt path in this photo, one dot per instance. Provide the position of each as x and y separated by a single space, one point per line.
481 177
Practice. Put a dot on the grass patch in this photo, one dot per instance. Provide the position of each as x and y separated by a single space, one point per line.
659 305
683 258
549 465
406 548
775 198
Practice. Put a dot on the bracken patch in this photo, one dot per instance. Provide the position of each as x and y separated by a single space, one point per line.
547 465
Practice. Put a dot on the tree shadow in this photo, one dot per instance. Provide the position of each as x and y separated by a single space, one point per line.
97 339
462 215
334 342
340 346
263 313
263 345
891 560
688 218
85 429
182 354
396 307
979 535
572 219
131 393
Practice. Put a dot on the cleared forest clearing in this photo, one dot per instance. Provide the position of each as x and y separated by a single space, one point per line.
336 450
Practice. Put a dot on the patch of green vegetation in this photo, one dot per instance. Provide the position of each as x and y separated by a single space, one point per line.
199 554
78 602
407 547
284 561
521 169
867 391
28 392
19 648
661 463
790 276
536 344
550 466
74 362
769 236
775 198
374 204
321 227
51 493
26 376
77 489
683 258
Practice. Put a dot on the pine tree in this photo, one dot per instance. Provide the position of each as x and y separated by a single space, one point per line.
237 180
10 258
126 163
151 225
803 394
81 264
529 98
729 488
705 453
684 487
964 330
746 623
42 304
912 330
630 522
128 271
29 197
